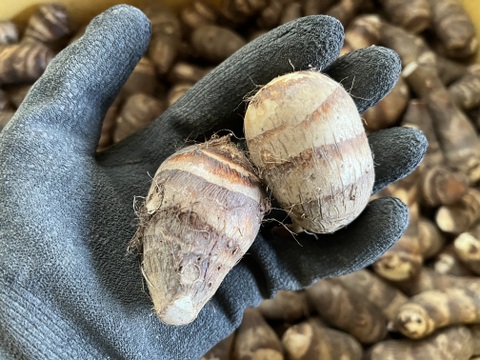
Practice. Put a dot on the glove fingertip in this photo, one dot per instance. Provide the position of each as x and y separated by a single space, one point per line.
126 13
395 212
402 150
368 74
81 82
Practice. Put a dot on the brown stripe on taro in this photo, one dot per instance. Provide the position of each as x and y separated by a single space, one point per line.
343 149
323 110
195 231
323 168
272 92
240 166
238 206
217 167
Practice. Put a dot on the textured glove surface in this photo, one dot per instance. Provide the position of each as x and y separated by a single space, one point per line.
68 288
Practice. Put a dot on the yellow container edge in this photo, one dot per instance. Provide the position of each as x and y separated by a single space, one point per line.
83 11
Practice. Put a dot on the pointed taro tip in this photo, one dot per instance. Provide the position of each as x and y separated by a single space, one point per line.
181 312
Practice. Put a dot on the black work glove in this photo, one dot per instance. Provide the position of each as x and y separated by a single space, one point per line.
68 288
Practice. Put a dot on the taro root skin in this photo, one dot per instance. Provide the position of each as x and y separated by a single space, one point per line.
202 212
306 137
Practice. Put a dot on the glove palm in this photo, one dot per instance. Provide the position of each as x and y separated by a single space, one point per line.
68 287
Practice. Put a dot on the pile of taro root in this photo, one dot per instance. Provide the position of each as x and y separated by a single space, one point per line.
421 299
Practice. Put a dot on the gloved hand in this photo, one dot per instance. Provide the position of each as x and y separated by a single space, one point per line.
68 288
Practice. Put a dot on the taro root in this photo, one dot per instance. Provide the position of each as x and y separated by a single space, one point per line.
202 212
312 340
8 32
348 310
306 137
50 24
451 343
431 310
23 62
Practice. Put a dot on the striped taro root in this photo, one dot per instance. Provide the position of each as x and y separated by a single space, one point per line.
306 137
